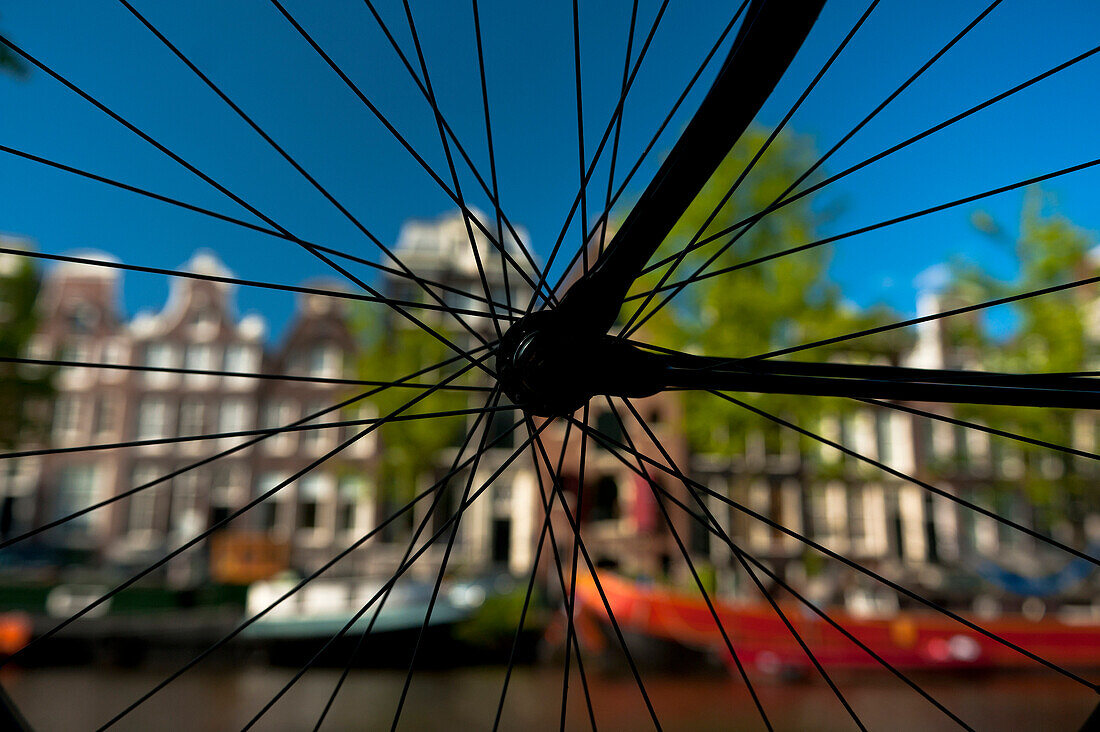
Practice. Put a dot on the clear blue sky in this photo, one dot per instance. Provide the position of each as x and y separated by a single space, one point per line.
262 63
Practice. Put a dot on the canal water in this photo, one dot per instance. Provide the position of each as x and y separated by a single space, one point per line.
459 699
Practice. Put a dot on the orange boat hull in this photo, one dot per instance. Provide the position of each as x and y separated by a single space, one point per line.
912 639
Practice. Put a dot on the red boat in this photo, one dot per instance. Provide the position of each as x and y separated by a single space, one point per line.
906 639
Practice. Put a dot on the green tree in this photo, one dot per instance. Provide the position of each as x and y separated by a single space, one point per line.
781 302
390 349
21 386
1049 333
12 63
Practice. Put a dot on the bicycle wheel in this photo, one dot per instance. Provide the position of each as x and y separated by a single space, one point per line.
516 384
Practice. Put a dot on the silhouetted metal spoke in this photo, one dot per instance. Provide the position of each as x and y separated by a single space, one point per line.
218 525
412 544
400 571
911 479
982 428
236 448
398 136
244 433
575 527
712 524
289 159
865 229
545 273
571 604
626 330
850 563
237 199
233 374
618 130
183 274
493 194
252 227
466 215
934 316
633 450
442 570
821 161
883 154
767 595
433 489
547 501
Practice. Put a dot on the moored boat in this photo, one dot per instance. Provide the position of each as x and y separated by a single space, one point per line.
907 639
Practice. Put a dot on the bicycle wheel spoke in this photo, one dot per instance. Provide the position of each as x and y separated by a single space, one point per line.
246 225
442 570
626 330
781 615
393 131
934 316
523 611
821 161
712 524
545 273
493 194
242 433
233 374
215 526
451 167
889 151
433 489
235 198
633 450
653 140
287 157
618 131
401 570
851 563
358 297
574 526
872 227
548 501
570 632
224 453
982 428
915 481
412 545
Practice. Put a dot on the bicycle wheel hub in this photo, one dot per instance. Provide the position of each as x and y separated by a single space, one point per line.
549 369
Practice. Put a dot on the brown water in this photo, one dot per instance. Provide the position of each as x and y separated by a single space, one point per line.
76 699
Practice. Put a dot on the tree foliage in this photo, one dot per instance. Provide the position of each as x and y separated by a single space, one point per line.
1049 334
782 302
390 349
21 386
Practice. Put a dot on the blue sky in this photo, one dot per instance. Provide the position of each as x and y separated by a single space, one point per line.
249 49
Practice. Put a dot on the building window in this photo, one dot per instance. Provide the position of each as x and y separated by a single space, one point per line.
67 416
316 440
241 359
18 477
105 416
364 445
270 511
159 356
226 494
352 490
279 413
142 524
314 505
200 357
152 418
324 361
233 416
192 419
76 490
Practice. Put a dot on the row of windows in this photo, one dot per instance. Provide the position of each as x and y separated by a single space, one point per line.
160 417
